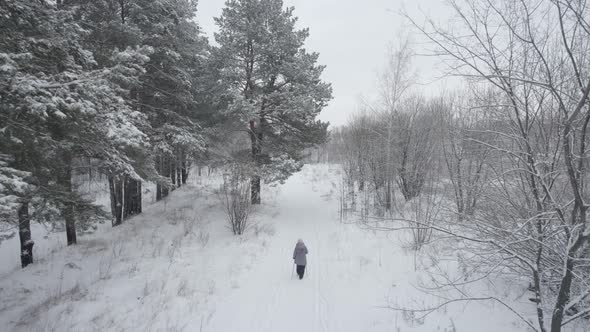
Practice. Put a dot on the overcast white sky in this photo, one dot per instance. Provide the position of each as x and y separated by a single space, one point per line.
352 38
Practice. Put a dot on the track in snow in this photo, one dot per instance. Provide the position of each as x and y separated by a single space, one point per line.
352 274
271 298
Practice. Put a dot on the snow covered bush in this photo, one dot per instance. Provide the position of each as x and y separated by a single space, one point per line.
235 196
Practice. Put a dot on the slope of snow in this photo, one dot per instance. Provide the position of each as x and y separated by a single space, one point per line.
155 272
47 239
177 267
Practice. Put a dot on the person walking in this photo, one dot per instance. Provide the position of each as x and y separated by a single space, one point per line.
300 257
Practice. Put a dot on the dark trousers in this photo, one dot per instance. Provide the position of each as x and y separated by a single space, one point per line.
300 271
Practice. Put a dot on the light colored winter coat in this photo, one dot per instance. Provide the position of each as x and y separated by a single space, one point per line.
299 254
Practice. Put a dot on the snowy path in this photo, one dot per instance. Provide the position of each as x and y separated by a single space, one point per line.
271 298
347 281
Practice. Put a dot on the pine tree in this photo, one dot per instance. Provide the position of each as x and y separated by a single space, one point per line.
111 28
274 84
56 106
165 93
168 91
172 86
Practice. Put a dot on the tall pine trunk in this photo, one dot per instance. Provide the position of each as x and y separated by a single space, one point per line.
70 217
24 231
68 209
179 175
163 168
388 195
165 173
125 195
116 193
24 224
255 189
137 198
172 171
132 197
158 185
256 141
185 170
179 158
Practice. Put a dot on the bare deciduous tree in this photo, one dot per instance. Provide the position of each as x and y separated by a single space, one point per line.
463 127
535 53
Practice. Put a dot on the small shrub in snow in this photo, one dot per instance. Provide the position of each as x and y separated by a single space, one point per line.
425 209
235 196
117 249
157 246
173 248
411 318
203 238
452 327
188 226
183 289
104 268
177 216
162 289
133 270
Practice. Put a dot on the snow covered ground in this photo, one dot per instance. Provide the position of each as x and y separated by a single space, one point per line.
177 267
47 239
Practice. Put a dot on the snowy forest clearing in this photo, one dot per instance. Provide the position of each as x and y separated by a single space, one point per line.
178 267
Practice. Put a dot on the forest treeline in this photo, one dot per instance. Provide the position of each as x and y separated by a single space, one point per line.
134 90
